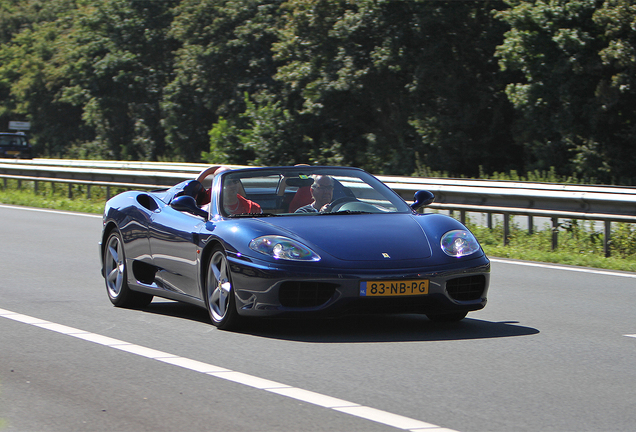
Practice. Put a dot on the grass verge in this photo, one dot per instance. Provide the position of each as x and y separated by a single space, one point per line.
58 197
579 244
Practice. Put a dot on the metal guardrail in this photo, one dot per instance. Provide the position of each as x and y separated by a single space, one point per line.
555 201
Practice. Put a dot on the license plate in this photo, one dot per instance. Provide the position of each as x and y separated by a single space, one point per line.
390 288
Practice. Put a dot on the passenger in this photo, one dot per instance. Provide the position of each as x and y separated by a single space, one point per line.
206 196
322 194
233 201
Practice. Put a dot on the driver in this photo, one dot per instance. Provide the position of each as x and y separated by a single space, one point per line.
321 192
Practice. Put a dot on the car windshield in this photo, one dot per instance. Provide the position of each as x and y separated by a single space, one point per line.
305 191
13 141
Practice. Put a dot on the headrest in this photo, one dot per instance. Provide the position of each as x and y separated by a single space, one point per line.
299 181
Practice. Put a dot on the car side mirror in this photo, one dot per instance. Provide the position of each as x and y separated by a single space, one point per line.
422 198
187 204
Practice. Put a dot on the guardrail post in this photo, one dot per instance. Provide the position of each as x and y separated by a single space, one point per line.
489 220
462 216
606 238
506 229
88 191
555 233
531 225
107 193
70 190
35 187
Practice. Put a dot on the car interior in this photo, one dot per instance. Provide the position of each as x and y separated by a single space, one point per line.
279 194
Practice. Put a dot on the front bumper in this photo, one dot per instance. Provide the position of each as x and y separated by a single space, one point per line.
262 290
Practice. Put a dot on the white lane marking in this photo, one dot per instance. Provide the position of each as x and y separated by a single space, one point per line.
387 418
634 335
313 397
340 405
558 267
41 210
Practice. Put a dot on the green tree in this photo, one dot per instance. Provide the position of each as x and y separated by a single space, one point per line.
225 51
19 15
89 75
615 93
117 60
574 93
388 81
28 87
265 134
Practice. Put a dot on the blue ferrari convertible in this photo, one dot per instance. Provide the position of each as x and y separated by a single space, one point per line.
290 241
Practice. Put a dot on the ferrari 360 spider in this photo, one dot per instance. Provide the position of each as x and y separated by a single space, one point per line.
290 241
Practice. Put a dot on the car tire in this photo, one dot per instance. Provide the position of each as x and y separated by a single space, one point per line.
447 317
115 270
219 293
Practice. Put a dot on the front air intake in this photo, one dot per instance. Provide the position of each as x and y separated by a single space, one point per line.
466 288
305 294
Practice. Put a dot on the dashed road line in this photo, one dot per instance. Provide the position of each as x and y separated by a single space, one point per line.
340 405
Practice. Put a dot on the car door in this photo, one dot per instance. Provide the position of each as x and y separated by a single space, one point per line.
174 250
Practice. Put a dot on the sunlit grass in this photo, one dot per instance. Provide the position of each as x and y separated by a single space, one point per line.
579 243
53 196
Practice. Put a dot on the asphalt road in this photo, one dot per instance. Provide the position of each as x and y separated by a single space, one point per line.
554 350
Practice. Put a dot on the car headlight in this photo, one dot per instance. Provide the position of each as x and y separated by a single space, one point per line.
280 247
459 243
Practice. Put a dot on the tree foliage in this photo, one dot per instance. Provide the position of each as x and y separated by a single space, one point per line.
577 62
225 51
392 86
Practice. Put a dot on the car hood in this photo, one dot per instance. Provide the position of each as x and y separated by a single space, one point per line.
372 237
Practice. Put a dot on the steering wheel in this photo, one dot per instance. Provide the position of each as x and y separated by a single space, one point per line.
337 203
